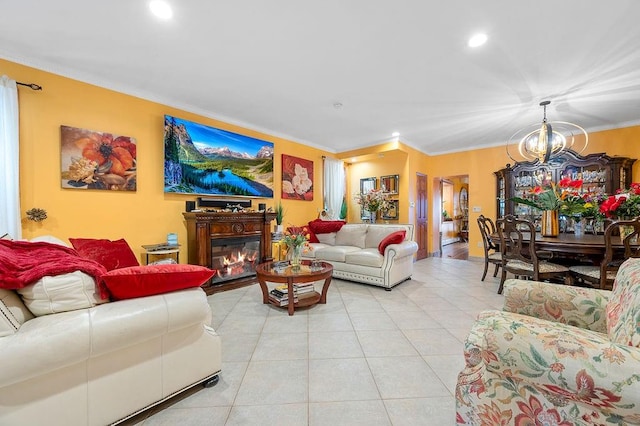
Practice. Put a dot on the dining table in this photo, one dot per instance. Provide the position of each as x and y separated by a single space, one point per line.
589 247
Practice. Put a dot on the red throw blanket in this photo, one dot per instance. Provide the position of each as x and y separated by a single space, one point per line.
22 263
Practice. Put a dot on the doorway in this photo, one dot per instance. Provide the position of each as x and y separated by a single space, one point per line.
421 216
454 217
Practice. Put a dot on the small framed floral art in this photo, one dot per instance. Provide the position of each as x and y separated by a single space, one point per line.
297 178
97 160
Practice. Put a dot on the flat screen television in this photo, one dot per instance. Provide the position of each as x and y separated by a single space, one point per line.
200 159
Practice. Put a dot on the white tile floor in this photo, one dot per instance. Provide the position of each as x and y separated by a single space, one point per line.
367 357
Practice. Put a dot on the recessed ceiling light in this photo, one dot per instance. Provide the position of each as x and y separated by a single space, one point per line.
478 40
337 105
161 9
395 134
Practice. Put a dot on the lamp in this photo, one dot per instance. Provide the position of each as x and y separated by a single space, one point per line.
543 142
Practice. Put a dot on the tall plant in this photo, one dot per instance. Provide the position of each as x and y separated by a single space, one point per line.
279 213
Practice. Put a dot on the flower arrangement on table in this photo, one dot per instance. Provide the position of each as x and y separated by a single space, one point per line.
373 200
625 204
297 240
564 197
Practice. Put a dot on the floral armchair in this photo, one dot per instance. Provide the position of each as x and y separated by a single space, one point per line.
556 355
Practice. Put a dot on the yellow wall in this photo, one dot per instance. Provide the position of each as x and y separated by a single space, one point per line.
147 215
141 217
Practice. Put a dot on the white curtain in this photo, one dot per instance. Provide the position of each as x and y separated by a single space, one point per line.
9 159
334 186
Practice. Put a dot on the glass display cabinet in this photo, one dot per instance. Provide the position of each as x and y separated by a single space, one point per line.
600 173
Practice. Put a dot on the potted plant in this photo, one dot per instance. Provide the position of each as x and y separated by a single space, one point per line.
279 216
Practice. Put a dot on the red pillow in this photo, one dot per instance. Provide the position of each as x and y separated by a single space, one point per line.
140 281
110 254
393 238
319 226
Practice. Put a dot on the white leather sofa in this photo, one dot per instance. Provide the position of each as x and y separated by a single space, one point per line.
353 252
103 364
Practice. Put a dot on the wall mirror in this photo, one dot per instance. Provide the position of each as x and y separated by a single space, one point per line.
367 184
389 184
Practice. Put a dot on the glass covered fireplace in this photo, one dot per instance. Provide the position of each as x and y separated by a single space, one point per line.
234 258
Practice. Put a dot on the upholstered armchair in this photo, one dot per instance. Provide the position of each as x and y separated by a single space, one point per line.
556 355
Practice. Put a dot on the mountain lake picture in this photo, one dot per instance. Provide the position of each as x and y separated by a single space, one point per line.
200 159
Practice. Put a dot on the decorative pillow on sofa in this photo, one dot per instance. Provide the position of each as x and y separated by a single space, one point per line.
140 281
110 254
351 235
61 293
393 238
319 226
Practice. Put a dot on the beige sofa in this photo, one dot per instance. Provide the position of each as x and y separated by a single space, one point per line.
70 357
103 364
353 252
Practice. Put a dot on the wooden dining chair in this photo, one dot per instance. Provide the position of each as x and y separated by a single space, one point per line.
616 252
519 255
491 252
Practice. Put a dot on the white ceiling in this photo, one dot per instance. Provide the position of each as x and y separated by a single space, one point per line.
279 66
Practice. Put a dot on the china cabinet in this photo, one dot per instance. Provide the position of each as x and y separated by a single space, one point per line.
600 173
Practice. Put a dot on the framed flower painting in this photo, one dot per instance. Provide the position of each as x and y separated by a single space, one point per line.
297 178
97 160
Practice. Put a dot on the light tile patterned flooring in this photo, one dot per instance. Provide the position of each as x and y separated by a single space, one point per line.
367 357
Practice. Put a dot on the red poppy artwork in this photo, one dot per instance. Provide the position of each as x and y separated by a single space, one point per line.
297 178
97 160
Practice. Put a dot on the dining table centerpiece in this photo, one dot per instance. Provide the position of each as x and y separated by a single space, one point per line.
553 200
373 201
297 240
623 205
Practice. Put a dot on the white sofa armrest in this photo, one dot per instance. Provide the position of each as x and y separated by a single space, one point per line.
405 248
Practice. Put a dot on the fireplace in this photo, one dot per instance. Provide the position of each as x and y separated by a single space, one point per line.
232 243
234 258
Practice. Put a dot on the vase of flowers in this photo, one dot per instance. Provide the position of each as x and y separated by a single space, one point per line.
373 201
296 239
623 205
553 200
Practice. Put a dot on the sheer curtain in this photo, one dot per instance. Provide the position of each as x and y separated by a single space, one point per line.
9 158
334 186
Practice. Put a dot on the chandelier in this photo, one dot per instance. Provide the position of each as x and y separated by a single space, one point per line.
543 142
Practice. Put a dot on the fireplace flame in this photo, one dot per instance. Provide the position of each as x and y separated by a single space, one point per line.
237 263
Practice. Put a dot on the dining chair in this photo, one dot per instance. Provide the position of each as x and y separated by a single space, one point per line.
491 252
519 255
604 275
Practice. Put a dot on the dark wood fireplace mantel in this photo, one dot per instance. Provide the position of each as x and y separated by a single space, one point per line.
203 227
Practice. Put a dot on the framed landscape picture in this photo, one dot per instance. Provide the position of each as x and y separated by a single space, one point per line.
200 159
97 160
297 178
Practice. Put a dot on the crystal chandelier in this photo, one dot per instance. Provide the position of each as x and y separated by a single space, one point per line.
543 142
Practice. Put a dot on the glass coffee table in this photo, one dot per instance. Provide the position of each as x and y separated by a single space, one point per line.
276 272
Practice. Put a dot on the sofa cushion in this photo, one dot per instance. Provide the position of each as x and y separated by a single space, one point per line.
61 293
335 253
13 313
623 308
351 235
376 233
393 238
139 281
328 238
110 254
365 257
319 226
